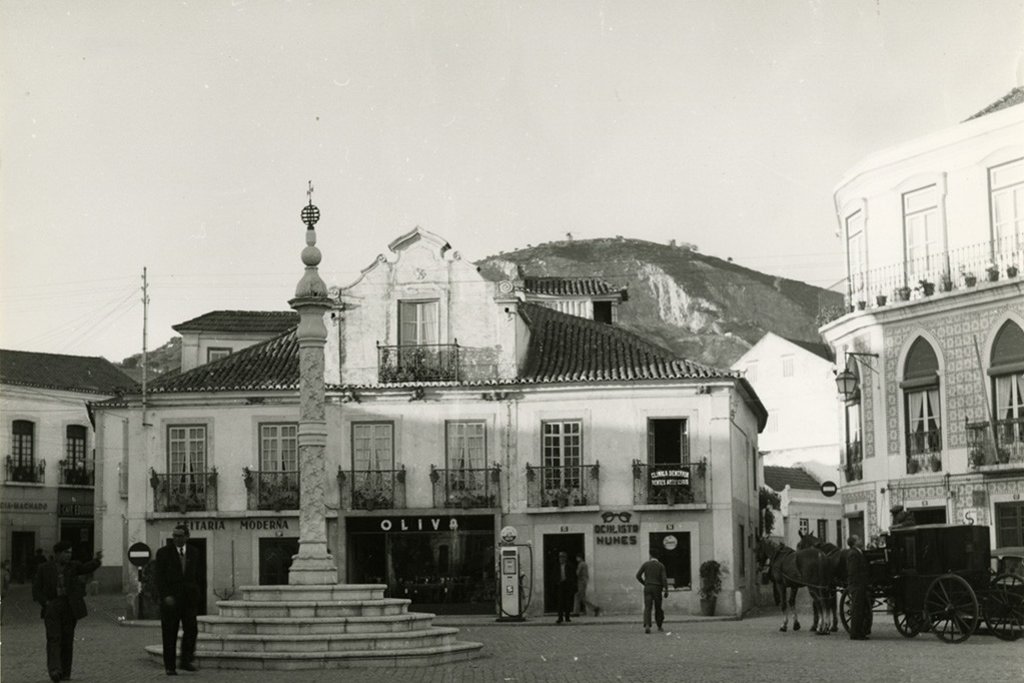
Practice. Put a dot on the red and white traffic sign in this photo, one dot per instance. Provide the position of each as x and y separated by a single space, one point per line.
138 554
829 488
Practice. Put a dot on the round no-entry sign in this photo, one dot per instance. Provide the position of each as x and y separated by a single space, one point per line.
138 554
829 488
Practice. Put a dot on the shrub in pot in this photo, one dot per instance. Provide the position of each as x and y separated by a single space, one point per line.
710 585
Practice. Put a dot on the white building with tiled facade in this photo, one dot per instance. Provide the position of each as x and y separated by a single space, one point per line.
456 406
934 235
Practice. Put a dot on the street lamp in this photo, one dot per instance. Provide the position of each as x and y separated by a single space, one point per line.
846 380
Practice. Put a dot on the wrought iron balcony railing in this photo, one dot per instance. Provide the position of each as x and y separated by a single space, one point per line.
77 473
571 486
372 489
924 451
184 491
25 472
665 484
418 363
466 487
272 489
960 268
1000 446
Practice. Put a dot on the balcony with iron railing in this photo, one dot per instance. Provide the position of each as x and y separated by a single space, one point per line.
24 472
853 461
184 491
372 489
418 363
466 487
571 486
924 451
954 270
996 449
74 472
271 489
660 484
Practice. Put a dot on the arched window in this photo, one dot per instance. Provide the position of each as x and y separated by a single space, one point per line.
1007 371
921 404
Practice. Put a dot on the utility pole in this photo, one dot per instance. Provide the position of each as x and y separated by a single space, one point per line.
145 323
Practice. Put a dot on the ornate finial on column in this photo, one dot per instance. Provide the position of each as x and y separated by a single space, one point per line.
310 285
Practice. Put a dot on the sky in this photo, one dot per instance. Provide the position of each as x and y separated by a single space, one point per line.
179 137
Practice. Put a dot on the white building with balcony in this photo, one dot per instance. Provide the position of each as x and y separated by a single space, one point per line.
456 405
934 336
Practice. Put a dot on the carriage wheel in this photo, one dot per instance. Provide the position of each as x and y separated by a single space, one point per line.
951 608
845 610
1004 607
908 624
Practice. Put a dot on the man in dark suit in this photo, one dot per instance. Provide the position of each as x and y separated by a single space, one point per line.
566 587
857 576
61 593
654 578
179 582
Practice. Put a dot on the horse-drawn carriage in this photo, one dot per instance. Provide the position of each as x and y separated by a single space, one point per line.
939 578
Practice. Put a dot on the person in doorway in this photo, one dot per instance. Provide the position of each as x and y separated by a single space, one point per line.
179 585
57 588
566 588
582 581
37 561
654 578
857 586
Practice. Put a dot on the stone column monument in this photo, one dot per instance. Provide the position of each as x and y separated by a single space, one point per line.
313 565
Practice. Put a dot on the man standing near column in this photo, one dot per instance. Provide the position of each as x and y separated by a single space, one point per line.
179 584
857 586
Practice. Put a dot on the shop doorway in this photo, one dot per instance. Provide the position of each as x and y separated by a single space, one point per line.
673 550
554 544
856 524
23 548
276 559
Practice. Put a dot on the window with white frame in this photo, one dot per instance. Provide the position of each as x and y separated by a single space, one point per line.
562 445
921 395
418 322
466 452
74 446
186 449
1006 185
23 441
279 447
372 446
855 253
1007 370
216 353
805 525
922 233
787 365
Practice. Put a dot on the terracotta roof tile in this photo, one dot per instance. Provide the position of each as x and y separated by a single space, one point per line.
569 286
796 477
57 371
273 364
272 322
567 348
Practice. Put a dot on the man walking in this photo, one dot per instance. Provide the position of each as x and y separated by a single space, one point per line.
179 584
857 586
582 580
654 578
61 593
566 588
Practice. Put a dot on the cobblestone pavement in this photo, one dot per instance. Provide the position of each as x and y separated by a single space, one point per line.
594 650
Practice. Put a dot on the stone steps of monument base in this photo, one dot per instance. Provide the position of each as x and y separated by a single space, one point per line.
313 608
456 651
409 621
328 593
434 636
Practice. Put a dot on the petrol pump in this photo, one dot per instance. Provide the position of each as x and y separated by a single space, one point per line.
511 577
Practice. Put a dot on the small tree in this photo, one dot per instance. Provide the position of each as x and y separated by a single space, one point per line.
710 579
768 500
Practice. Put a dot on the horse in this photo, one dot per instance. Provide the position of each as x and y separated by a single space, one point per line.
835 572
789 570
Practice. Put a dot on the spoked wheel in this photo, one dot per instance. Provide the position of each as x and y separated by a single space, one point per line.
1004 607
908 624
951 608
845 610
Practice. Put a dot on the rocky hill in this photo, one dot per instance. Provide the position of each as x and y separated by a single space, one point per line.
701 307
162 360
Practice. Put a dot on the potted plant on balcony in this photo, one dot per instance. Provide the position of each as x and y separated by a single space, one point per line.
880 300
861 304
945 283
970 279
1002 454
710 586
935 462
927 287
912 465
992 271
903 293
1011 271
977 456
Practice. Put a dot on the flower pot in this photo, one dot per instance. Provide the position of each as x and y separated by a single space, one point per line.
861 305
880 300
993 274
707 606
945 285
927 288
1011 271
970 280
903 293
